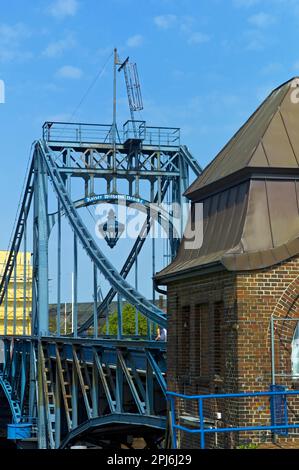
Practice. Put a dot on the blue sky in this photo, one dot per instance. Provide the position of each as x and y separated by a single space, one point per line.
204 65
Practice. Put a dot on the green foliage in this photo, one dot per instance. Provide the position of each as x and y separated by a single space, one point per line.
128 322
249 445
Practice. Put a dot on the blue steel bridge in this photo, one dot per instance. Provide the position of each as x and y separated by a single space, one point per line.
55 389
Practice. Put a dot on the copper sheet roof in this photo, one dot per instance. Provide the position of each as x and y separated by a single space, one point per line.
269 139
250 193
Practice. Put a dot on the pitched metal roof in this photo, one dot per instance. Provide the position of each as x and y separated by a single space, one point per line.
269 139
250 194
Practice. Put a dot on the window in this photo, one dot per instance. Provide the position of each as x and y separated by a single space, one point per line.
200 340
295 354
196 341
184 341
218 339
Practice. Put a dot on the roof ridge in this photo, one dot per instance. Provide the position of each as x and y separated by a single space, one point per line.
277 110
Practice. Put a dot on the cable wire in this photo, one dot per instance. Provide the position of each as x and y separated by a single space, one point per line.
97 77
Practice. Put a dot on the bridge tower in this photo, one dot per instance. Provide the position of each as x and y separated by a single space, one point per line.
67 386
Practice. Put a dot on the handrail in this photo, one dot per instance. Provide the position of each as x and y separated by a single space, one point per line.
98 133
202 430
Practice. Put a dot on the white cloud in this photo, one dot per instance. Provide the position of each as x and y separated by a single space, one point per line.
104 51
198 38
185 25
292 5
135 41
272 68
261 20
60 117
245 3
63 8
68 71
165 21
256 41
13 33
179 74
14 54
12 38
57 48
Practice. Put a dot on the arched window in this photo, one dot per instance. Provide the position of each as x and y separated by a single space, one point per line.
295 353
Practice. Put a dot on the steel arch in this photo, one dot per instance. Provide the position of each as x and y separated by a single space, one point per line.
152 422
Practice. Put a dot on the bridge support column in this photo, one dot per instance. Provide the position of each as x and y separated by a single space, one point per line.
95 389
57 409
119 387
42 427
40 240
149 389
74 396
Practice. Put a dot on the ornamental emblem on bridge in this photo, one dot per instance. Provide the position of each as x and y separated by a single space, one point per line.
112 229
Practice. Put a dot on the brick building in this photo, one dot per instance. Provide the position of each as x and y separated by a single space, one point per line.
221 296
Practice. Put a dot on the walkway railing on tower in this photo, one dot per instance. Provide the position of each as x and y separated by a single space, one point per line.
103 133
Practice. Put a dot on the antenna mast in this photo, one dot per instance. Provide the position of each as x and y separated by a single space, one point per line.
134 98
133 89
114 128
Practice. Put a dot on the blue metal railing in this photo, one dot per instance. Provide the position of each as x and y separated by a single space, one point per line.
279 409
64 132
276 423
77 132
150 135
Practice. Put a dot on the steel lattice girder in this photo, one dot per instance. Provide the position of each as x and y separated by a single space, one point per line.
105 267
68 369
70 384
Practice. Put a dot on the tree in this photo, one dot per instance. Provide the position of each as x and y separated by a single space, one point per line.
128 322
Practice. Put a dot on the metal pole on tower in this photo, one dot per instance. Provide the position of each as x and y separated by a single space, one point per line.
72 302
65 330
114 190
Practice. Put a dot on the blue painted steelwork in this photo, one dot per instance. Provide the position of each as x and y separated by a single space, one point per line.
279 409
130 261
71 384
67 133
13 404
19 431
204 429
18 234
101 359
40 244
115 419
91 248
58 270
78 382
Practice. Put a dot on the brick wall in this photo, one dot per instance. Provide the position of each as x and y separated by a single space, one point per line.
219 342
259 295
194 305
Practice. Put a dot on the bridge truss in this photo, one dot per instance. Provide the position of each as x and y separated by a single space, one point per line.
85 384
